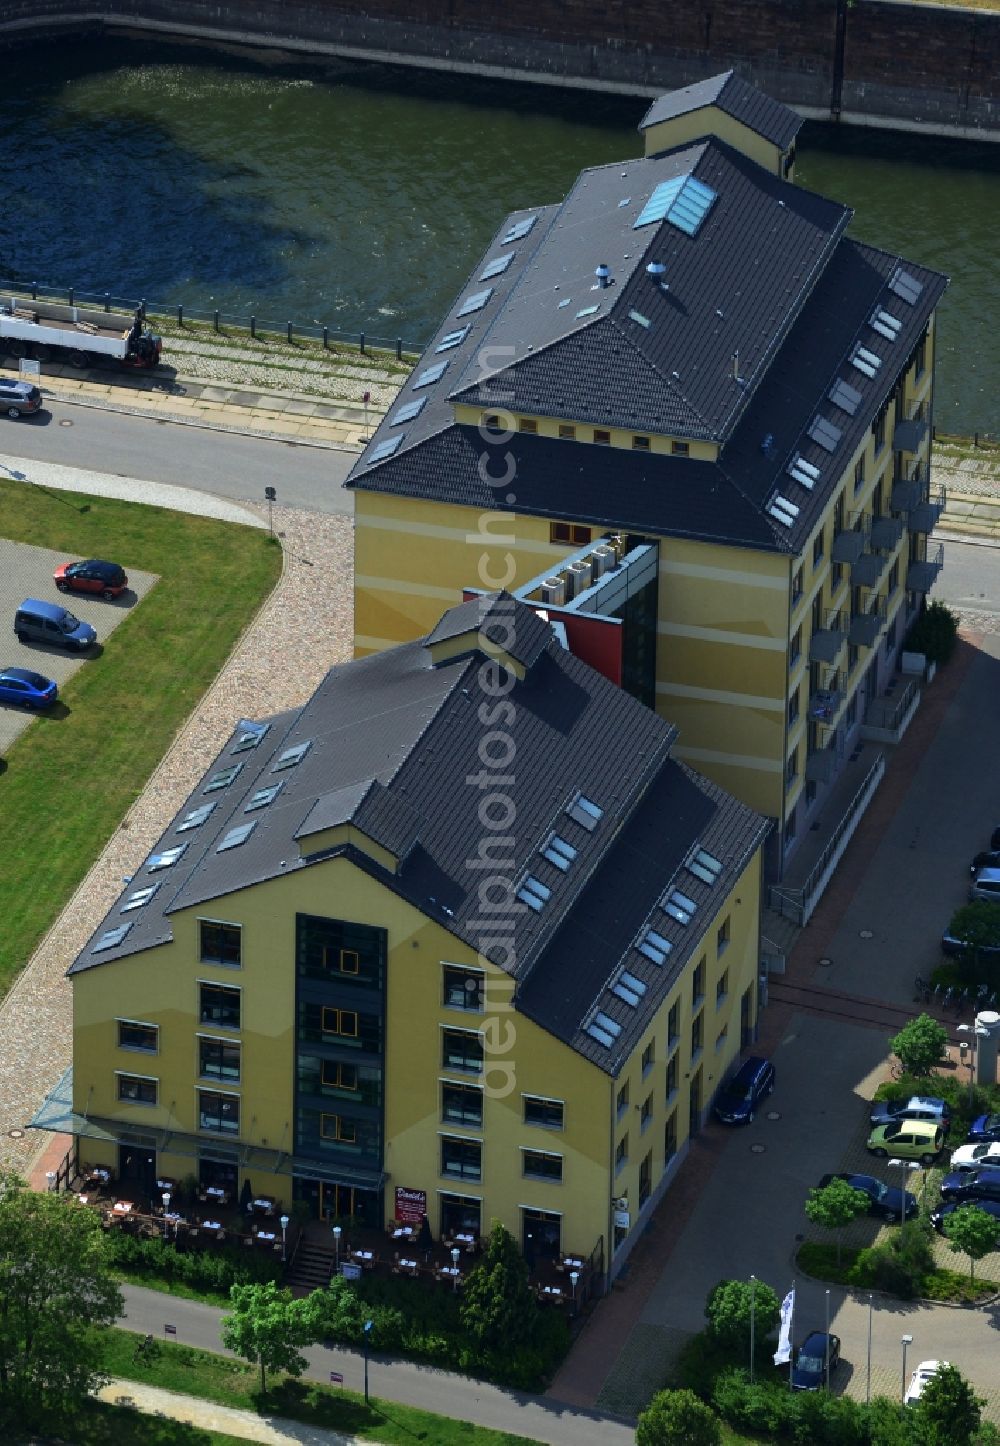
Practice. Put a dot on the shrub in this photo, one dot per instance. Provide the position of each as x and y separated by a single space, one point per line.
934 633
677 1418
920 1045
762 1407
206 1271
730 1306
898 1266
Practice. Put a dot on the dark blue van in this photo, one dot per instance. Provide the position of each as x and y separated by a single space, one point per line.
44 622
742 1093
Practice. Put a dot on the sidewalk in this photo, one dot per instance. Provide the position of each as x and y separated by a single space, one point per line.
192 1411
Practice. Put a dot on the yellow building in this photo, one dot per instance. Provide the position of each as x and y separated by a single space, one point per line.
459 933
688 353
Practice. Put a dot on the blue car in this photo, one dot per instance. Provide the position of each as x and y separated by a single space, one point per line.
985 1128
31 690
971 1186
809 1361
742 1093
885 1201
941 1216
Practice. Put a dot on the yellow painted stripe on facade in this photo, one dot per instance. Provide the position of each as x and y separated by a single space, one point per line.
721 635
448 595
735 760
411 528
722 695
737 576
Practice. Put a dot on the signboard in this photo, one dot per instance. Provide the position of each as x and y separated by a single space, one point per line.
30 368
169 1330
411 1205
350 1270
336 1379
622 1219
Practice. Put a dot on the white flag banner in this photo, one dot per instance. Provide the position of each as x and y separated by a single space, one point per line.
784 1352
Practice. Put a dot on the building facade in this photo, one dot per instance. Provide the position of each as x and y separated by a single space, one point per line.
690 355
461 928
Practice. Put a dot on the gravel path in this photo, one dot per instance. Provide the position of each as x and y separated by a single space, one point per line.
302 630
336 376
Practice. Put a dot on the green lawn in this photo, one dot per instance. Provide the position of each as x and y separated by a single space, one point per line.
70 779
231 1383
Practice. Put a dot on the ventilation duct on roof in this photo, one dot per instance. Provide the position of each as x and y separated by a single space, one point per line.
603 275
554 591
656 271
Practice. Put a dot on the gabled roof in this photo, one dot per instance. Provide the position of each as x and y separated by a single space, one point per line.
771 119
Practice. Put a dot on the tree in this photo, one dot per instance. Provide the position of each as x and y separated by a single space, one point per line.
267 1326
678 1418
834 1206
920 1045
948 1411
972 1232
977 925
729 1308
934 633
497 1304
56 1292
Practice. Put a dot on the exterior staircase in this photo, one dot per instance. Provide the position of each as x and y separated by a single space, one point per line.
311 1267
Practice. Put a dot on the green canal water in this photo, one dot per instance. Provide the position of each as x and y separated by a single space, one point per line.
359 197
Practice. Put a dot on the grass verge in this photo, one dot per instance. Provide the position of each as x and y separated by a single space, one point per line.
71 778
819 1260
96 1423
232 1383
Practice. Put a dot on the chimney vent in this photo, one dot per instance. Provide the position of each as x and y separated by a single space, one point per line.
656 271
603 275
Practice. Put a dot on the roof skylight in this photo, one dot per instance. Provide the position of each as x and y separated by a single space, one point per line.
682 201
704 866
475 302
386 448
453 338
534 893
866 361
407 412
679 906
604 1029
519 230
222 779
587 311
195 818
846 397
585 813
292 756
236 836
111 937
166 858
263 797
825 433
803 472
629 988
430 375
497 266
906 286
654 946
140 897
642 320
249 735
782 510
885 324
559 852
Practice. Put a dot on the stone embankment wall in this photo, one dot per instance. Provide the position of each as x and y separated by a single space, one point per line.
871 62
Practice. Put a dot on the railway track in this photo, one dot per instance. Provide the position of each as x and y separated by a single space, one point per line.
851 1008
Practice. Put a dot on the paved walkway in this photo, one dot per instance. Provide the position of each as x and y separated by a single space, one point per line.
207 1416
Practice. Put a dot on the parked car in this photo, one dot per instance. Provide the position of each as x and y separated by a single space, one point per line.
988 859
968 1186
917 1107
919 1380
886 1201
106 579
43 622
19 399
909 1139
809 1361
739 1097
958 948
984 1127
986 885
940 1216
985 1154
31 690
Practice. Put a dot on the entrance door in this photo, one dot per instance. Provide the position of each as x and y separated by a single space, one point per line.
340 1203
137 1170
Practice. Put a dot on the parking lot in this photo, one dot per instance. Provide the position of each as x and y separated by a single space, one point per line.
27 572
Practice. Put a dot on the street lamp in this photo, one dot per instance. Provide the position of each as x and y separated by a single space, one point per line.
904 1342
455 1252
166 1206
284 1227
336 1247
574 1276
978 1032
868 1386
906 1166
364 1336
753 1305
827 1342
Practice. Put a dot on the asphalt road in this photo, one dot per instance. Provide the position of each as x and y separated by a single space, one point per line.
970 577
227 464
147 1311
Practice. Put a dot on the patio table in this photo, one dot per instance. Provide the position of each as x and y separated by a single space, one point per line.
211 1224
266 1235
122 1207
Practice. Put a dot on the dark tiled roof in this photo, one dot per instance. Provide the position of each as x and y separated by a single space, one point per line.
729 92
489 615
372 808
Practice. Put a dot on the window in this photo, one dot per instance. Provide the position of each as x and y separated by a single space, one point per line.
534 893
195 818
138 898
430 375
165 859
222 779
461 1159
698 984
674 1024
263 797
527 424
475 302
722 989
461 1104
852 657
679 906
791 827
219 1005
341 1022
548 1114
249 736
796 585
721 1037
537 1165
218 1113
640 444
452 338
722 937
859 475
137 1089
673 1068
705 866
920 357
220 943
336 1127
646 1113
111 938
585 813
567 431
132 1035
621 1152
563 532
628 987
461 1049
646 1178
680 449
654 947
621 1103
335 1074
648 1055
559 852
463 988
670 1138
601 437
793 707
292 756
818 548
810 794
879 425
792 766
697 1034
236 836
219 1059
893 578
795 651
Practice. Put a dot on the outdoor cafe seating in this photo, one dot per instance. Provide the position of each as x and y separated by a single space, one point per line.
404 1266
367 1259
265 1205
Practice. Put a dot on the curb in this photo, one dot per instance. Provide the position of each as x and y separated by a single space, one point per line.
976 539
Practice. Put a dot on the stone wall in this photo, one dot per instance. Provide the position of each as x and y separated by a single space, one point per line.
877 62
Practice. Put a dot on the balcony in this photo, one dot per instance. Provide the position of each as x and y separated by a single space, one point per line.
905 494
826 643
848 545
825 703
921 576
924 515
868 570
866 627
885 533
888 716
908 436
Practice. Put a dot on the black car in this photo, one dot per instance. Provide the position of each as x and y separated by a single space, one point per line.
984 1128
742 1093
941 1214
19 399
885 1201
988 859
958 948
971 1185
809 1361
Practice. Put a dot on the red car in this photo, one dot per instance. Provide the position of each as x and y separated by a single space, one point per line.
106 579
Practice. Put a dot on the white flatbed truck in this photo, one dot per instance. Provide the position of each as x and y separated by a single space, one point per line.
47 331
